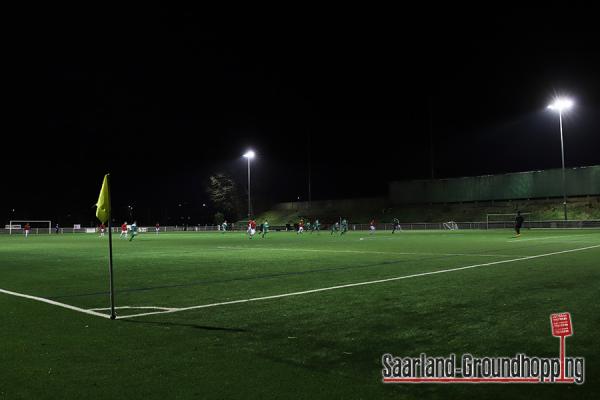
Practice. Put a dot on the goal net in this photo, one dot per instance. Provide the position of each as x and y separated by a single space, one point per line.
36 226
451 225
503 221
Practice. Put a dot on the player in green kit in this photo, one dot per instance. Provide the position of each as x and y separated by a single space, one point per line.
224 227
344 226
308 225
316 226
335 227
134 230
265 228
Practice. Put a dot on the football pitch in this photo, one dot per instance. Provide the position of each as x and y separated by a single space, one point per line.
211 315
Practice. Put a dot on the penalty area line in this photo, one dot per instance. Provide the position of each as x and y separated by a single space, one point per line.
277 296
55 303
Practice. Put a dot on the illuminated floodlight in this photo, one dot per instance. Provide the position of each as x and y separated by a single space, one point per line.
561 104
249 156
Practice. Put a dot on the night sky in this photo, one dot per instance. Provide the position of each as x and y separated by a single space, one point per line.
163 98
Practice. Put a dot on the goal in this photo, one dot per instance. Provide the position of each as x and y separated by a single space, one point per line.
36 226
451 225
502 221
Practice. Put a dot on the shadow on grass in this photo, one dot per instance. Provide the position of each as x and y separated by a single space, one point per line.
194 326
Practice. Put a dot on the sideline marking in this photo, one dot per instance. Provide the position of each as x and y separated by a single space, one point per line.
55 303
360 283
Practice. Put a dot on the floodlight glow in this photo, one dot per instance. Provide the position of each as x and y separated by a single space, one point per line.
561 104
249 155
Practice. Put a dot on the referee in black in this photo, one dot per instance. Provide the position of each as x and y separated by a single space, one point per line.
518 223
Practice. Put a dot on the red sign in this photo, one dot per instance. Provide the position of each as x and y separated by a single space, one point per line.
561 324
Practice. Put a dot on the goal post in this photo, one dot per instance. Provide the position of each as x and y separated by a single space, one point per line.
18 225
451 225
506 220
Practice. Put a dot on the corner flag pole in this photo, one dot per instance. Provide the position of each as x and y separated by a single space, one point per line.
110 253
103 213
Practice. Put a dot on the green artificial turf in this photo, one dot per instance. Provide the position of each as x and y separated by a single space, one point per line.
325 344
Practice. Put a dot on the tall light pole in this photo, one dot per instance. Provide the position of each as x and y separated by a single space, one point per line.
309 173
431 167
560 105
249 155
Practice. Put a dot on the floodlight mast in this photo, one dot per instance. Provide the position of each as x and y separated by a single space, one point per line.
249 155
560 105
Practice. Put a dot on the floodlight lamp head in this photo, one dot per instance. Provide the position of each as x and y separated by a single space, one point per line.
250 154
561 104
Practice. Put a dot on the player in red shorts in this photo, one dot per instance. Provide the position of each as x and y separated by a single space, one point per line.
123 231
251 228
300 226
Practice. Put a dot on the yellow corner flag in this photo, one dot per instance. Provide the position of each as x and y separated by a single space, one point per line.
103 203
103 214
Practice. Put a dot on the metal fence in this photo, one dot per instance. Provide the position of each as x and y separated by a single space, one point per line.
548 224
117 229
413 226
142 229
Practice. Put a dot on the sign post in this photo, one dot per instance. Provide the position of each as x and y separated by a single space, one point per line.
561 327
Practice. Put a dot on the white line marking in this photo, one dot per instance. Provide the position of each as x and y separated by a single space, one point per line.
364 251
516 240
360 283
54 303
132 307
572 238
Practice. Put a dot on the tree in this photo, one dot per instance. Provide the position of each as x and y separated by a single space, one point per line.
224 193
219 218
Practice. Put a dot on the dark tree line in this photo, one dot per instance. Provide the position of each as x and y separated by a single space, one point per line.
226 197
